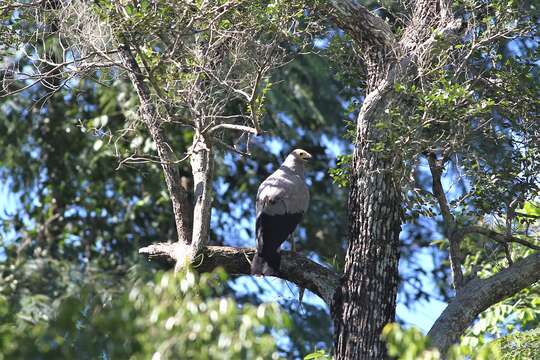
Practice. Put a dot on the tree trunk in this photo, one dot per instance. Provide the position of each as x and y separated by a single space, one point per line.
366 300
202 166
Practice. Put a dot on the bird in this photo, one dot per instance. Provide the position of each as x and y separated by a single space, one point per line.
282 200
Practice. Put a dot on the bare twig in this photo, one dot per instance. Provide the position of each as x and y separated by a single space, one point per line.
234 127
135 159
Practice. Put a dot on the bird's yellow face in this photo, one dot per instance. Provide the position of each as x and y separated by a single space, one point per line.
302 154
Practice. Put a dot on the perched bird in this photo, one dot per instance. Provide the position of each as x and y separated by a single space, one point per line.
282 200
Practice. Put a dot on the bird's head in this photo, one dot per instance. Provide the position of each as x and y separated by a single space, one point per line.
301 154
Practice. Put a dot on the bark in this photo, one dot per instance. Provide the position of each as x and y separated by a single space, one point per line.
370 33
428 15
202 165
366 28
294 268
479 294
366 300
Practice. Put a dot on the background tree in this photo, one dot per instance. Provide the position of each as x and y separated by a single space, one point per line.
436 88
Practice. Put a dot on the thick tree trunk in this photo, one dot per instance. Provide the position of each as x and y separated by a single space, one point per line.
365 302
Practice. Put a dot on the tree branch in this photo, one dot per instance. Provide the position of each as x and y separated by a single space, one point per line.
179 199
436 167
369 31
294 267
427 15
235 127
498 237
202 167
478 295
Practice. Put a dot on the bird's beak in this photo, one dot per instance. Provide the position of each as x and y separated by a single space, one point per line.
308 156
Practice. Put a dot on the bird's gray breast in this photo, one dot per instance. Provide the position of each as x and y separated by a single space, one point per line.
282 192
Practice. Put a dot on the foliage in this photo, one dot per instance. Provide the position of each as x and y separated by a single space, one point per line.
318 355
80 215
167 317
81 220
411 344
520 346
340 174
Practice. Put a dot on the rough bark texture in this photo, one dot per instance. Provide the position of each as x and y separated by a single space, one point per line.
479 294
366 299
365 27
294 268
428 15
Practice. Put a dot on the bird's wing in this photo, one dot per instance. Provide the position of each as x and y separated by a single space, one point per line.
282 192
272 197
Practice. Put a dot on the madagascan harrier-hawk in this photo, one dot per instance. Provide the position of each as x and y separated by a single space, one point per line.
282 200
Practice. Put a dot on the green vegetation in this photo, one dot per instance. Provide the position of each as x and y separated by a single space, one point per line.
162 317
82 188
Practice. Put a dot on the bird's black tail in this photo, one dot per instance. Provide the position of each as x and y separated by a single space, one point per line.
266 263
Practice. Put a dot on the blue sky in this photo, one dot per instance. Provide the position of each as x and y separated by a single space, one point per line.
8 205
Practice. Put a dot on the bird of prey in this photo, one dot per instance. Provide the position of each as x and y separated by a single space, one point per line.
282 200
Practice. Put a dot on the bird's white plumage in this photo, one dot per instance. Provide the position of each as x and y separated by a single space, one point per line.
285 191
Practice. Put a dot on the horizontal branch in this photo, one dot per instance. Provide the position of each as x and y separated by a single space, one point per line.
498 237
479 294
234 127
294 267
